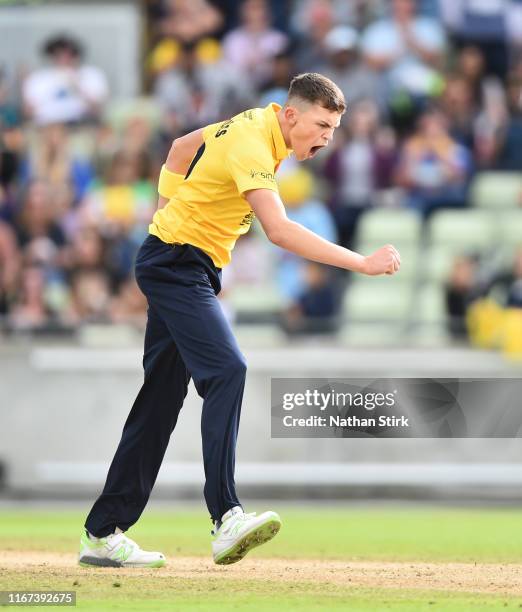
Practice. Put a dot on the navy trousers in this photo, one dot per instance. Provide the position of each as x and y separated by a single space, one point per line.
186 336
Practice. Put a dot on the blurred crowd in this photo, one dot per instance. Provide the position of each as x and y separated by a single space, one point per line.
434 91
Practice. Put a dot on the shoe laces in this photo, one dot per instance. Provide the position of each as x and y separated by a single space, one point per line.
122 540
240 516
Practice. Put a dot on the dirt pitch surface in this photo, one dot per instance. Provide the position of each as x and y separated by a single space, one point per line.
498 579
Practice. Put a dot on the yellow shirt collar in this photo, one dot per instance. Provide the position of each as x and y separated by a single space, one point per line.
279 148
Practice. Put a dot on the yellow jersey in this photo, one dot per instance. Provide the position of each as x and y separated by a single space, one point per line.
209 210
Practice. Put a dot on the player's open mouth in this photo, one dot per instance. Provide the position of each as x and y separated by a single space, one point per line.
314 150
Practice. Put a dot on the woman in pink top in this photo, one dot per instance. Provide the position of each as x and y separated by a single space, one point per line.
252 45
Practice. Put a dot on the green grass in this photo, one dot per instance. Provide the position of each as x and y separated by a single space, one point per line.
100 595
432 535
368 534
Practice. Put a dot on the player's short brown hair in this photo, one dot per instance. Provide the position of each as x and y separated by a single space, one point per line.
317 89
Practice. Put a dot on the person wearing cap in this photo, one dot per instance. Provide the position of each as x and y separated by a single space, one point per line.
66 90
346 68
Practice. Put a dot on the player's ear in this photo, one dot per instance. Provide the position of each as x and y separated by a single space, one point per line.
291 115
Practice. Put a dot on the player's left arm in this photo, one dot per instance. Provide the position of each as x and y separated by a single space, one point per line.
177 164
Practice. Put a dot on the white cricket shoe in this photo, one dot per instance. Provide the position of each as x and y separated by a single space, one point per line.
116 550
240 532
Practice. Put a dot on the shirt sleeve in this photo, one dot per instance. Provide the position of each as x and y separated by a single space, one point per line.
251 166
380 39
430 35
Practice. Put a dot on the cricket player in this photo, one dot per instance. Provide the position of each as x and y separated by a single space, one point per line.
213 183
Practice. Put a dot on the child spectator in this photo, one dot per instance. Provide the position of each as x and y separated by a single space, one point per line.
434 169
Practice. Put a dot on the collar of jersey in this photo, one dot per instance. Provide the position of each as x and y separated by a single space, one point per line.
280 148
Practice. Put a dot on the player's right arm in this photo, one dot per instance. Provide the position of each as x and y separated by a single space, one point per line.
177 163
293 237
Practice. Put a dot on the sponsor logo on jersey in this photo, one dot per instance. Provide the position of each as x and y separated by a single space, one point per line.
269 176
248 218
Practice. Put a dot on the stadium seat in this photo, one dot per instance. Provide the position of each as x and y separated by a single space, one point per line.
119 112
252 300
496 190
429 335
429 320
377 302
430 304
399 227
371 335
463 230
93 335
265 335
436 263
510 228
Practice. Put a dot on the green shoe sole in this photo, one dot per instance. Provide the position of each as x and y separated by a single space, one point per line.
259 535
159 563
154 564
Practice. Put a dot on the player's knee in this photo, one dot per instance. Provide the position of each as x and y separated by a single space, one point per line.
235 366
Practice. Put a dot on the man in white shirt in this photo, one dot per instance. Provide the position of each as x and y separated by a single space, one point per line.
65 91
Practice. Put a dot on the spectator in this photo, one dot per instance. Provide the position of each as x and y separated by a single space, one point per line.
9 266
88 278
9 114
315 21
52 160
87 251
296 187
74 221
470 65
137 136
189 20
434 169
38 233
317 304
458 105
407 48
90 297
460 293
348 70
484 24
12 143
514 297
66 91
120 209
275 89
251 47
30 311
356 13
490 124
506 285
180 23
252 262
193 93
125 199
129 305
510 142
360 167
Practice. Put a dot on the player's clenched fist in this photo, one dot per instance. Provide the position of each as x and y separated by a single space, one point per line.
385 260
